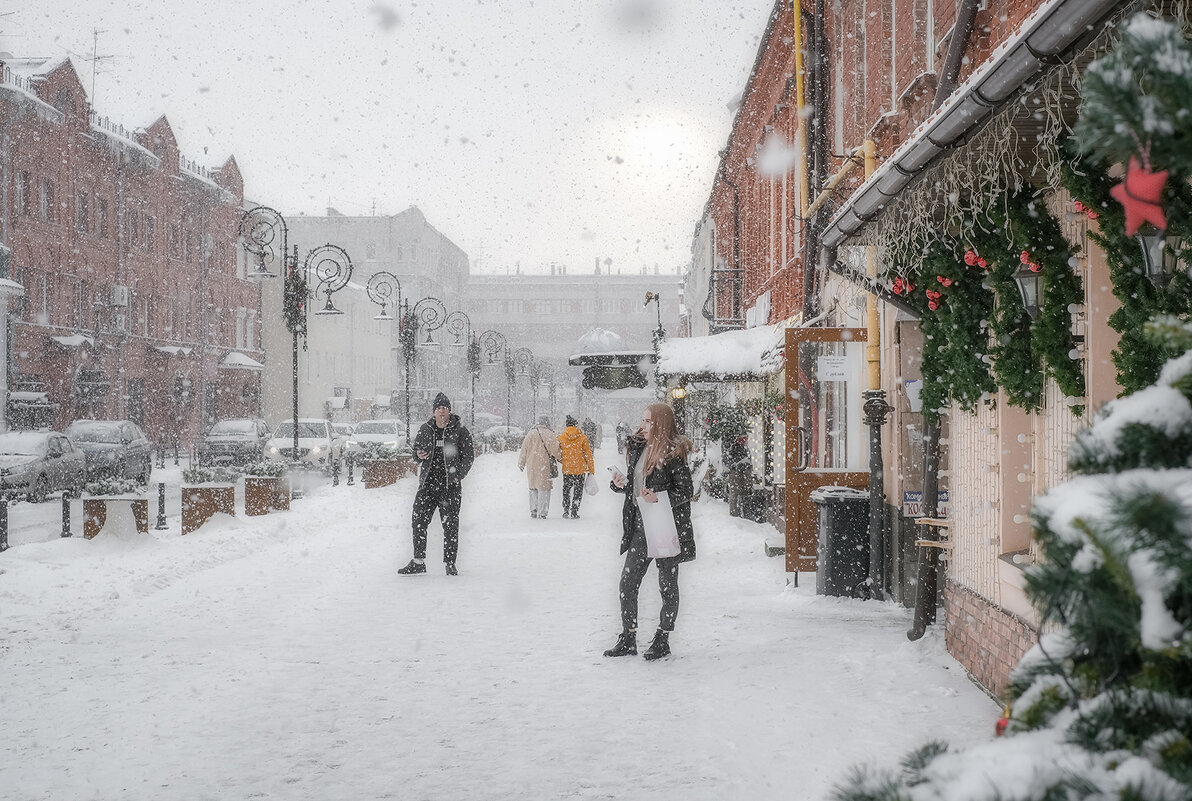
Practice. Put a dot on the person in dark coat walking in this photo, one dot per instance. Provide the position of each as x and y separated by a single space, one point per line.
589 429
443 450
656 458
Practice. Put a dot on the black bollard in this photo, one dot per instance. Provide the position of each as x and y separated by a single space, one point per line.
350 460
175 453
3 524
161 506
335 472
66 514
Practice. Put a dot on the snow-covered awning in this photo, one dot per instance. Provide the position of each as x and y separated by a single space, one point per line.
238 361
172 350
381 401
1049 31
74 341
9 287
336 403
29 398
750 354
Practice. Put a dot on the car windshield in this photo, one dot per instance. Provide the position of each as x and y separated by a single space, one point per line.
24 443
286 430
376 427
94 432
233 427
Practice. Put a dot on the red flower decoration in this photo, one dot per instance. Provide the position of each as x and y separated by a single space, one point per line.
1092 215
1034 267
931 304
1024 257
970 258
944 281
982 263
1140 194
1078 205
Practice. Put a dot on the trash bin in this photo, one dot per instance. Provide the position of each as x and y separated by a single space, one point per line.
753 506
842 552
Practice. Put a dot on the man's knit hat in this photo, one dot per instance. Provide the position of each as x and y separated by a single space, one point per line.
442 400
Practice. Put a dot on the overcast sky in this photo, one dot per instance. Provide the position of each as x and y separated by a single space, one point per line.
527 131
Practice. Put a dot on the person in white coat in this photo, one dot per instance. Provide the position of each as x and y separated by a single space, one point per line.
538 448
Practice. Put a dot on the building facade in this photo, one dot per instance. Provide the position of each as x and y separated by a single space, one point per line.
134 285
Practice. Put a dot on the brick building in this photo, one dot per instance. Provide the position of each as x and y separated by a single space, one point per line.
127 252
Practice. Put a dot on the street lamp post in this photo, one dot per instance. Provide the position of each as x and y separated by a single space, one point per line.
459 325
493 345
547 372
524 359
427 314
659 335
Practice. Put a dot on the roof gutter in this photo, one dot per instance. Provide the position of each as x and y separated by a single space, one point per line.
1044 35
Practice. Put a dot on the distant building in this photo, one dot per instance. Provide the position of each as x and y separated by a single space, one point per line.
134 290
353 364
549 314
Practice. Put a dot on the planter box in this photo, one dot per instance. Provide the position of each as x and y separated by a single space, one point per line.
200 503
263 494
95 514
383 472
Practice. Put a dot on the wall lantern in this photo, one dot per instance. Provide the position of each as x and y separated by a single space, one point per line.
1029 283
1160 256
678 393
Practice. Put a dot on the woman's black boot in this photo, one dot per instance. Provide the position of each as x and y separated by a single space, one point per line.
659 648
626 644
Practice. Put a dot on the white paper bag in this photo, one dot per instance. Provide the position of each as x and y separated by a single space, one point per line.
658 520
590 485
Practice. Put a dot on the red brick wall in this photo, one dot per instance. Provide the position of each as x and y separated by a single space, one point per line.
119 219
988 641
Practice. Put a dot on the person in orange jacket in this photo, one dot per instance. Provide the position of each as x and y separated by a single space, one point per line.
577 463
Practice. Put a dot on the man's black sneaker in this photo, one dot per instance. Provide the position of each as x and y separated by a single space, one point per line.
534 513
451 571
412 569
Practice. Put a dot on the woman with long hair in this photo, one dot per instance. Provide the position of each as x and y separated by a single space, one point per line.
656 457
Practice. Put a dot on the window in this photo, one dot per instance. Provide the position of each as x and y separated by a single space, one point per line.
21 306
176 241
80 303
47 200
101 217
150 230
81 212
23 192
44 316
132 226
188 250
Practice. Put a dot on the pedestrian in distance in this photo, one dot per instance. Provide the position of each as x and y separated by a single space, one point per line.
589 429
538 449
577 466
740 475
656 462
622 435
444 452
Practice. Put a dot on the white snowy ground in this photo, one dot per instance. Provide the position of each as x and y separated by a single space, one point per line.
282 658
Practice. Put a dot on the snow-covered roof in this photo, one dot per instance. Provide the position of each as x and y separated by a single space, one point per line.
598 340
749 352
238 361
173 350
74 341
10 287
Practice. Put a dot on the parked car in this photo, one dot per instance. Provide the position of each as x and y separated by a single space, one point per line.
371 435
503 438
237 440
36 463
317 444
343 430
114 448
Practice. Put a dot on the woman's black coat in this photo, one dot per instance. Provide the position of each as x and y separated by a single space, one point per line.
671 476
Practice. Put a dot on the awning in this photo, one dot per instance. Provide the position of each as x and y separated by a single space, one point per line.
336 403
749 354
29 398
381 401
173 350
10 287
238 361
1049 31
74 341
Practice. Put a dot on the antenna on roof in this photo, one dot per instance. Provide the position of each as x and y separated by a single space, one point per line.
94 59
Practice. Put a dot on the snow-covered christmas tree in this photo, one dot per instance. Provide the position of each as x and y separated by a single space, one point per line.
1101 707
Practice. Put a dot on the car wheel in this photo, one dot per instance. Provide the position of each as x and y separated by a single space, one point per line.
41 489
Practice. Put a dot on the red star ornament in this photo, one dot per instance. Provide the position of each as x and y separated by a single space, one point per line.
1140 194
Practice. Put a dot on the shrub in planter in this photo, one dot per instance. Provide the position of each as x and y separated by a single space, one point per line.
385 466
122 491
205 491
265 488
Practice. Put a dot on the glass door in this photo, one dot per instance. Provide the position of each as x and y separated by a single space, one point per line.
826 441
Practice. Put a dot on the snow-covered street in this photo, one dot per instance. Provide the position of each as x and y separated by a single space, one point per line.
281 657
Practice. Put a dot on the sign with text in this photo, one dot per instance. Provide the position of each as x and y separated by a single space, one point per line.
912 503
832 368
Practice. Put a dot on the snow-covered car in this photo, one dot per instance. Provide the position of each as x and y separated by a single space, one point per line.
238 440
317 444
503 438
113 448
343 430
371 435
36 463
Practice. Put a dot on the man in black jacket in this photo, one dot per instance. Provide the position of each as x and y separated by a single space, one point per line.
443 449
